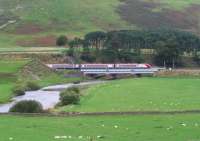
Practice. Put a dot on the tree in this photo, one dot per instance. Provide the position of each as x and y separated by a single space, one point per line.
109 55
95 39
167 53
88 55
76 43
61 40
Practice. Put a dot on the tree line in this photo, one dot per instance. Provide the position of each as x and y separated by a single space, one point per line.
165 45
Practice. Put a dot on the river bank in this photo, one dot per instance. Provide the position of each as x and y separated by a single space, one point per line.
49 96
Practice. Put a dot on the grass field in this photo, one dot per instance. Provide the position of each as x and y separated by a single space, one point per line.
6 91
143 94
120 95
110 128
7 66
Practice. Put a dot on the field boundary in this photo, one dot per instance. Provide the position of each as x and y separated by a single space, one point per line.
76 114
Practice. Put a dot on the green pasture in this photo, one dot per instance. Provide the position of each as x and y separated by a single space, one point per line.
140 94
101 128
5 92
8 66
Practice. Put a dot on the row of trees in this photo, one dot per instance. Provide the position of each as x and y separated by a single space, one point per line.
126 45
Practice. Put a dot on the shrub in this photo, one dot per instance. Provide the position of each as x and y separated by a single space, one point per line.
19 90
70 97
61 41
27 106
32 86
75 89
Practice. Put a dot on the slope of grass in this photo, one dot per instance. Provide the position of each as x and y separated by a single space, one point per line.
15 72
109 128
73 15
88 14
177 4
44 76
35 20
145 94
180 14
8 70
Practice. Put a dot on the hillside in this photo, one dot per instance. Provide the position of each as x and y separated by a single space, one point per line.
38 23
183 14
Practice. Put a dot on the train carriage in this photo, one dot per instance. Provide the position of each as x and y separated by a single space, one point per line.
132 66
97 66
100 66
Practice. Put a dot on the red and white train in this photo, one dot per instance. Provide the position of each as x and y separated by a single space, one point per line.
99 66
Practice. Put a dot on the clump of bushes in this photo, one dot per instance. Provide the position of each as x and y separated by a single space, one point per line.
27 106
70 96
32 86
20 89
61 40
75 89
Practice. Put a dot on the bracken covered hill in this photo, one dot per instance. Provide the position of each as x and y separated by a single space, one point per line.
39 22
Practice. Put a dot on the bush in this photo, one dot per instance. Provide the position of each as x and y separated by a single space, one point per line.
61 41
19 90
32 86
27 106
70 96
75 89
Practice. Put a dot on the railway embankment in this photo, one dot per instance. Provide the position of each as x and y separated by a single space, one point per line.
179 73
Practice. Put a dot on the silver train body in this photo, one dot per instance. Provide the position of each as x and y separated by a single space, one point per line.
100 66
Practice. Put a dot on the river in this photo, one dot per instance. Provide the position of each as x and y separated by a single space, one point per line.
48 96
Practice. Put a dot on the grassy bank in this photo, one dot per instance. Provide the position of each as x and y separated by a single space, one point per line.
8 71
21 71
142 94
